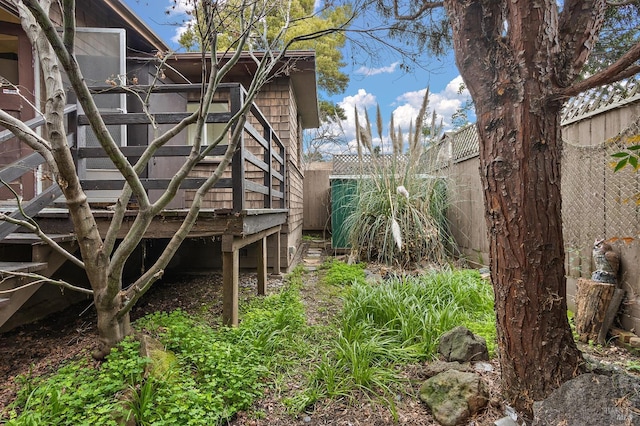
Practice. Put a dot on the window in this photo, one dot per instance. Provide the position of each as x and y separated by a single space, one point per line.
212 130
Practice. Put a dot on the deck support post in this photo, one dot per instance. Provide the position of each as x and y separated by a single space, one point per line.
262 266
231 244
230 272
274 247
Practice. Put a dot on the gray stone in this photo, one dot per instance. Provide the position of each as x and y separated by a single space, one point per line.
454 396
436 367
505 421
592 400
460 344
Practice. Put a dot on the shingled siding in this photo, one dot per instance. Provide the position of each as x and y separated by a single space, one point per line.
279 106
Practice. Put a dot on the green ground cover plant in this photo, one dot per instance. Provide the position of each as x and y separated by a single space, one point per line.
210 373
399 321
340 274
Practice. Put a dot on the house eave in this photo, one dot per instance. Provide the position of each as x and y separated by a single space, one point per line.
301 69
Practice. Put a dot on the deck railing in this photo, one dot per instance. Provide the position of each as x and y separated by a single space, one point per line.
254 180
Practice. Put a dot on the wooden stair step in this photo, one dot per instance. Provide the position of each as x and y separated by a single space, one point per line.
27 238
4 302
22 266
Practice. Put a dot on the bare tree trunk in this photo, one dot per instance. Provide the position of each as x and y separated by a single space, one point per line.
112 328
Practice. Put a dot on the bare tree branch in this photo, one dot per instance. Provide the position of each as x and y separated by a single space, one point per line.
29 137
620 69
426 5
86 100
579 24
44 237
39 279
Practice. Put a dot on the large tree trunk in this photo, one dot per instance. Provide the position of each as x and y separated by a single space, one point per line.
507 55
520 172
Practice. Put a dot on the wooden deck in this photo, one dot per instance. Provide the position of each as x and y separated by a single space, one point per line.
252 210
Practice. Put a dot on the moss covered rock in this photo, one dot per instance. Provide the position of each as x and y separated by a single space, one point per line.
454 396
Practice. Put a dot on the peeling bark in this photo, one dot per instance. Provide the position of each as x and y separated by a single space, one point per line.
518 120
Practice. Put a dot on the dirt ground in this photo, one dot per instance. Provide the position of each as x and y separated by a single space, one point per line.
41 347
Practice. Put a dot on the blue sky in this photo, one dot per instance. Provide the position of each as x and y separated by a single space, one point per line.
385 83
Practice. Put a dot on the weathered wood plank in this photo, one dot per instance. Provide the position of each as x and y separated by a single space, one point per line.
274 247
158 118
31 209
166 227
30 239
230 271
255 224
147 183
18 168
256 161
33 123
255 187
22 266
233 243
262 265
255 135
137 151
160 88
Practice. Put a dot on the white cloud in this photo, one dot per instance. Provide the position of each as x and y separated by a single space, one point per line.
445 104
179 7
375 71
180 12
363 101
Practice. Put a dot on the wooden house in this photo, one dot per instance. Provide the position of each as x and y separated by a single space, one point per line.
253 216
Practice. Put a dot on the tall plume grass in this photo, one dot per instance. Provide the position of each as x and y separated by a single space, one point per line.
398 212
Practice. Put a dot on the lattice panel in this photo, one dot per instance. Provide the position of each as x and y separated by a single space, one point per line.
465 143
353 165
600 99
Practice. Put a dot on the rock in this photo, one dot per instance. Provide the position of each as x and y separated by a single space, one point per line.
436 367
372 277
592 400
482 367
505 421
460 344
162 360
454 396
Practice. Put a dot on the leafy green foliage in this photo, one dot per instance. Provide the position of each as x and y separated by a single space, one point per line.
79 393
340 274
618 35
296 23
394 323
213 373
216 372
628 157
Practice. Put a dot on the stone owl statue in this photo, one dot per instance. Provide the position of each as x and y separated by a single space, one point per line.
606 261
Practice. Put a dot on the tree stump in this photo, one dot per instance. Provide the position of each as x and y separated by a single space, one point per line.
592 300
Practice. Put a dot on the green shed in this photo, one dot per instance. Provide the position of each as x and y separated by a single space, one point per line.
343 190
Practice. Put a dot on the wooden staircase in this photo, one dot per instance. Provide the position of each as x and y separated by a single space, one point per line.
26 253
